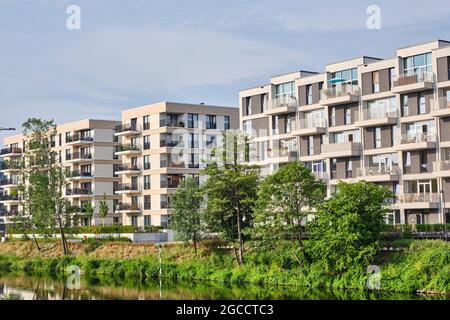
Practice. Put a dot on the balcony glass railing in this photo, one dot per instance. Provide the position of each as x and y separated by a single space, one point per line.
340 91
418 137
128 127
281 101
376 114
78 192
311 123
377 171
419 197
414 77
441 103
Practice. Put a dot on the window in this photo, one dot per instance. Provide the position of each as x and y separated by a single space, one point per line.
310 145
147 220
407 159
275 125
146 121
147 164
147 202
285 89
348 115
349 168
193 140
309 94
263 102
192 120
211 122
134 221
393 135
392 76
68 137
226 122
418 64
248 106
375 81
60 140
333 116
248 127
194 161
377 137
53 141
147 183
68 155
146 142
423 161
350 77
422 104
210 142
405 105
333 168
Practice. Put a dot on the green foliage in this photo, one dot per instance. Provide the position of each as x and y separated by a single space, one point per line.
345 231
89 210
285 198
187 218
77 230
231 191
103 208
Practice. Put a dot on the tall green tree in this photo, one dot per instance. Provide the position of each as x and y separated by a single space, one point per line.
187 218
231 190
89 210
103 209
43 180
285 199
346 229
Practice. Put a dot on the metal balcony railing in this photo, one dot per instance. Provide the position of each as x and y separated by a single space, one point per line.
127 187
128 127
9 182
11 198
80 174
10 166
78 192
413 78
127 147
128 167
128 207
79 156
79 138
10 151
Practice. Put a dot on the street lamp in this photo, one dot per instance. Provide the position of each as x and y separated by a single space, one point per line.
445 215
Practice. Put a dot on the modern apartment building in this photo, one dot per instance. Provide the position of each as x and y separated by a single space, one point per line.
386 121
86 148
160 145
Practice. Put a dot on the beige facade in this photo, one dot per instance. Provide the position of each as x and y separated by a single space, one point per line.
381 120
86 148
160 144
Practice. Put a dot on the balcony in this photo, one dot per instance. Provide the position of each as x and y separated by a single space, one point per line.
128 208
10 166
417 141
171 123
379 174
79 140
79 157
341 175
283 156
127 169
320 175
377 117
127 149
172 164
127 129
78 192
10 199
171 184
419 200
9 183
165 205
171 144
282 104
340 94
442 168
440 107
11 152
9 213
419 81
127 188
308 127
344 149
79 175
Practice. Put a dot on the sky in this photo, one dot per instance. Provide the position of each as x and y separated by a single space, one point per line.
137 52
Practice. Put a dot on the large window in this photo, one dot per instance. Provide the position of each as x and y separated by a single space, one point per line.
405 105
376 82
309 94
417 64
310 145
377 142
349 76
285 89
211 122
248 106
146 121
192 120
422 104
146 142
147 183
226 122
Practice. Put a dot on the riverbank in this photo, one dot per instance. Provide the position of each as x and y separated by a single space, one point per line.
423 267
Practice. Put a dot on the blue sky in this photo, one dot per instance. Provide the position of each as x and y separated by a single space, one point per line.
136 52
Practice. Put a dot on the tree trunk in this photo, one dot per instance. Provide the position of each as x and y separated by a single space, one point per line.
194 239
63 236
36 242
241 242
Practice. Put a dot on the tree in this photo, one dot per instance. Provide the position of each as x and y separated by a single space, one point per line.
43 180
346 228
89 210
231 190
103 209
285 199
187 218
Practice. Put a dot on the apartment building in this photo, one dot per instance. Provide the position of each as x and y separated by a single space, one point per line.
86 149
161 144
386 121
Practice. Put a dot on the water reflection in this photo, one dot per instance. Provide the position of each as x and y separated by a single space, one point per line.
14 286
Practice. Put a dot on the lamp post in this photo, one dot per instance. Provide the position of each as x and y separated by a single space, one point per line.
444 215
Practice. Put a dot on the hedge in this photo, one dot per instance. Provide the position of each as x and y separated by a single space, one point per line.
90 230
